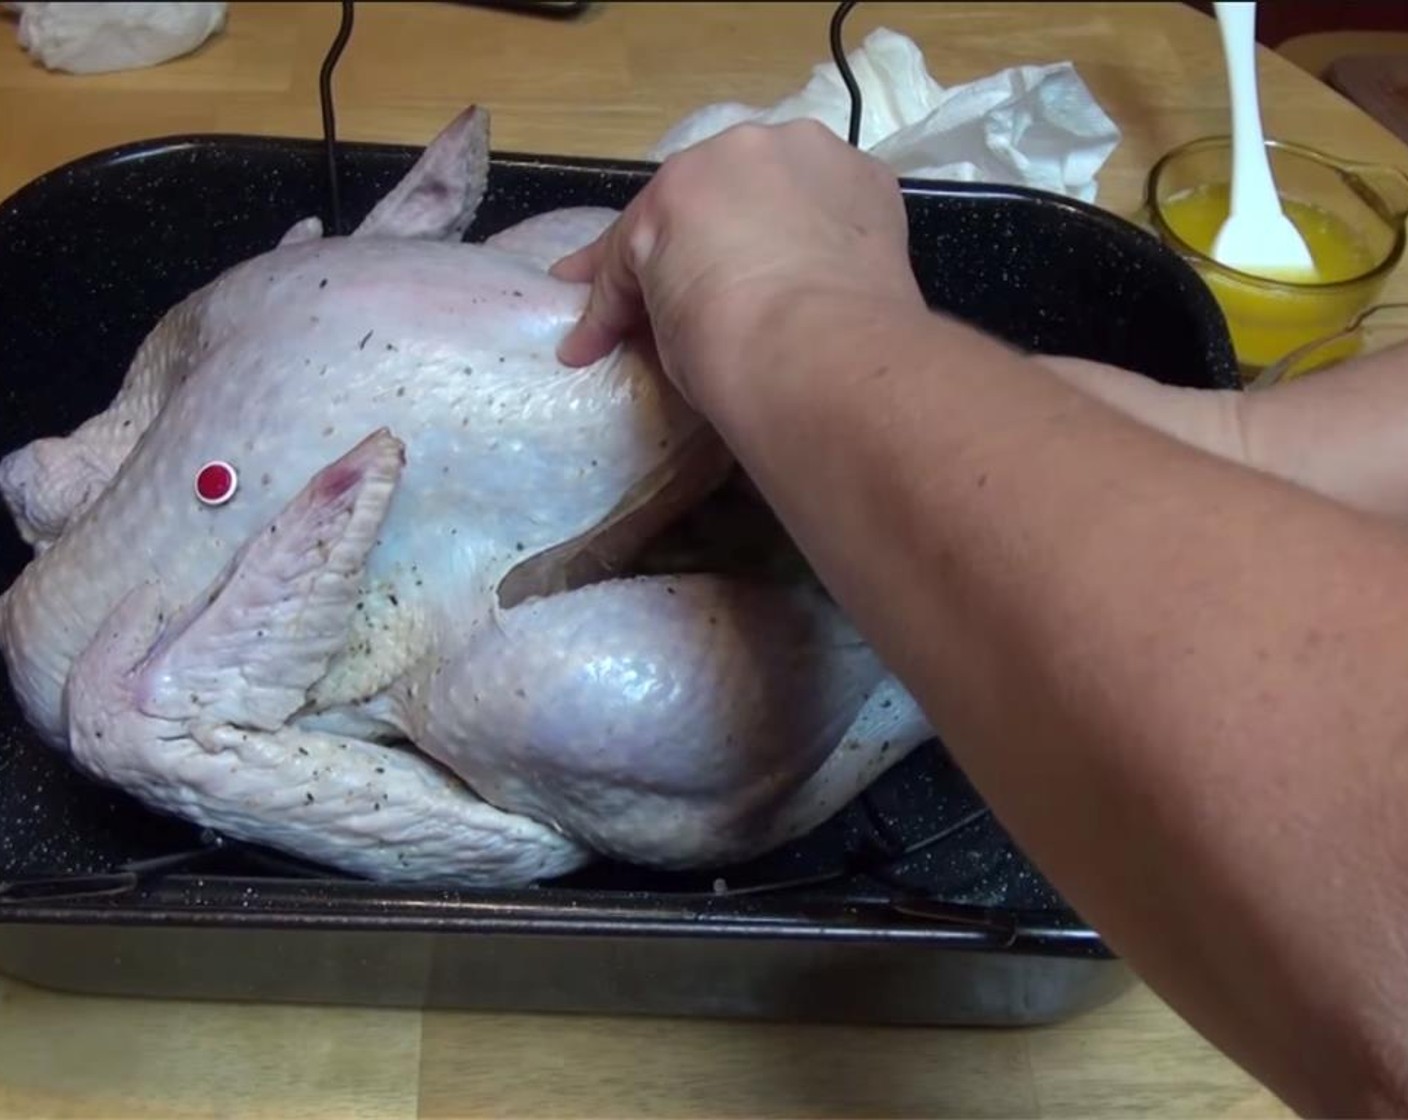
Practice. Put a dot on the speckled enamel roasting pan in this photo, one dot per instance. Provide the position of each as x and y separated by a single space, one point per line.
961 929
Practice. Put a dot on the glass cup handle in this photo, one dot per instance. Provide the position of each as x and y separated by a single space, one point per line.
1277 370
1389 183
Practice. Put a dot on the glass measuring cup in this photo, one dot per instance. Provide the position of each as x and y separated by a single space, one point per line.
1352 214
1383 325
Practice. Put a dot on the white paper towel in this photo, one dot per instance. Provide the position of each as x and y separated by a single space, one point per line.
1036 126
97 38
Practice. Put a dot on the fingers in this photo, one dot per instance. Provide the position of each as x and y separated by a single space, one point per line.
615 306
580 265
612 310
585 342
810 205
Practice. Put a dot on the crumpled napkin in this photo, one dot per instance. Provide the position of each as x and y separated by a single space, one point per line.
98 38
1035 126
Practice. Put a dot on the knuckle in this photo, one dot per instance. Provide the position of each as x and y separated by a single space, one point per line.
640 243
811 130
675 174
747 136
669 170
750 132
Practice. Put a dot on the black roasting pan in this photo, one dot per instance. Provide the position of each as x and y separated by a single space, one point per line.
911 906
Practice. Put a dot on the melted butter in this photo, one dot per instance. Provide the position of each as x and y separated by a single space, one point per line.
1267 324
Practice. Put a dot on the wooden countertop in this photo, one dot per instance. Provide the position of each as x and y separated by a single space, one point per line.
609 84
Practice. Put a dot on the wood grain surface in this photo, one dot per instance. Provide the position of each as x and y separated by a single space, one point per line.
610 84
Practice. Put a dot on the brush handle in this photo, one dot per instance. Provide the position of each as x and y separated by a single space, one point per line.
1252 186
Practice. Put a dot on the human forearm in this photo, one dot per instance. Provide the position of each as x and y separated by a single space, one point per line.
1342 433
1142 655
1166 672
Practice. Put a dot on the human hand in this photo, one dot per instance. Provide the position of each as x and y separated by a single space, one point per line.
729 232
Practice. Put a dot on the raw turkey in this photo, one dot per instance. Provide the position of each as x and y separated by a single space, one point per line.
414 644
